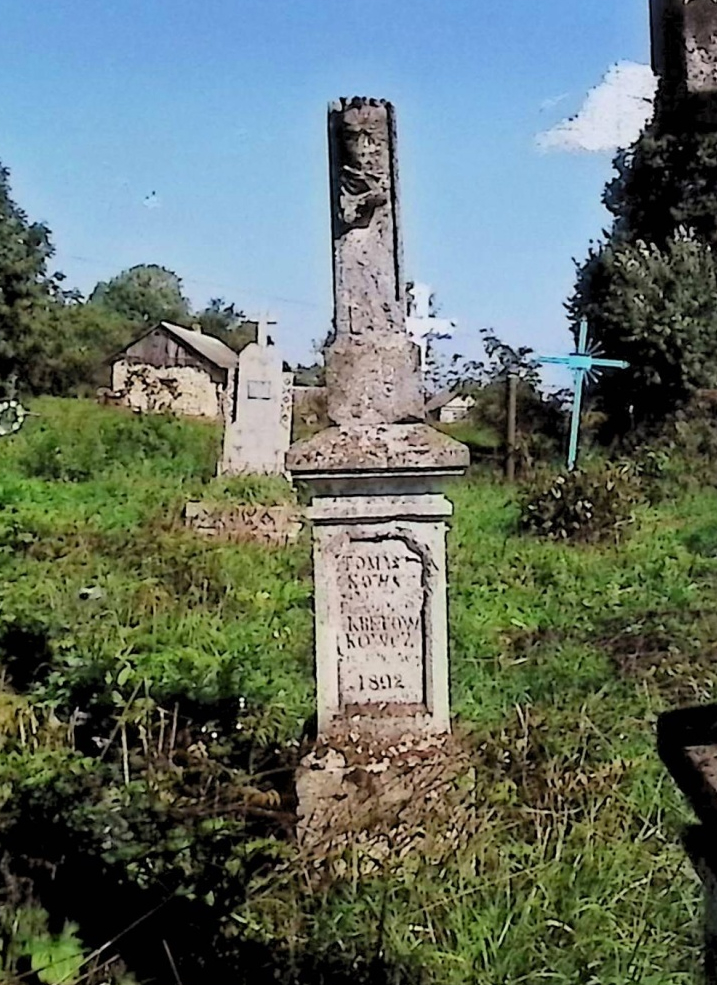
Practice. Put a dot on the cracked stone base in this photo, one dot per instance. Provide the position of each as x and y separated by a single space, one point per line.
397 803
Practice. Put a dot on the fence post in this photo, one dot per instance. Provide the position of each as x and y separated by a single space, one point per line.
511 415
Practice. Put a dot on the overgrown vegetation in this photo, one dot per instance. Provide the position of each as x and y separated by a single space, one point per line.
591 504
156 693
540 419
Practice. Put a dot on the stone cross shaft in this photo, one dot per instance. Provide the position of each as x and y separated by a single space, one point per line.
373 371
684 56
378 515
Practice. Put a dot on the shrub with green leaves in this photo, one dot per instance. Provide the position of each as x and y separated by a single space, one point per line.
589 505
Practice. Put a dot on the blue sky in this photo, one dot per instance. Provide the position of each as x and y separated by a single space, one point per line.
218 107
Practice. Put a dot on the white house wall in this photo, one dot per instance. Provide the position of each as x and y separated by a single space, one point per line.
198 395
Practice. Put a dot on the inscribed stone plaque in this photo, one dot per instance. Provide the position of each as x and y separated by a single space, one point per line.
258 389
381 646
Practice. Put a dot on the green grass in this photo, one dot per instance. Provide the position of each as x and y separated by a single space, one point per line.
562 658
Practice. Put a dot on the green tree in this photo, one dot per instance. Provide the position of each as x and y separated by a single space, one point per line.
144 295
648 289
70 345
226 322
26 289
654 306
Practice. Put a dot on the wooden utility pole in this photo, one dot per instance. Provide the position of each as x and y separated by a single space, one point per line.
512 413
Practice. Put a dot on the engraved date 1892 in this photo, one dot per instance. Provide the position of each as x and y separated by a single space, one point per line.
382 682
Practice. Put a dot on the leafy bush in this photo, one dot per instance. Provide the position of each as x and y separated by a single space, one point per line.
588 505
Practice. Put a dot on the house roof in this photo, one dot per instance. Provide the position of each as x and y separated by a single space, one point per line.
208 346
445 397
440 399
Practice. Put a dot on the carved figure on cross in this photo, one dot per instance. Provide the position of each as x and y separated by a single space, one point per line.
585 363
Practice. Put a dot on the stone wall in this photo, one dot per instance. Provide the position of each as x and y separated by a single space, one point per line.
180 389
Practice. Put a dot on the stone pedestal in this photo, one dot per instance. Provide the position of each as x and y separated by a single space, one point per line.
380 603
379 536
413 799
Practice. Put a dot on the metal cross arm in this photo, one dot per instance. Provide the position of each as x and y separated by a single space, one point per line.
584 363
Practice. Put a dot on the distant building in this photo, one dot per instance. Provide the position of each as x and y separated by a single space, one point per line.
449 406
174 368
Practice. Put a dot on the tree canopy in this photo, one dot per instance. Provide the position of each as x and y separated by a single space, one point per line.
648 290
144 295
26 289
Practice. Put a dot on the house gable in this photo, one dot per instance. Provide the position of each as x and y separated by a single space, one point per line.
167 345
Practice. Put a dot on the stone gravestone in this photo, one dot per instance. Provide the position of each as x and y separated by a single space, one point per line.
687 743
378 515
684 55
257 431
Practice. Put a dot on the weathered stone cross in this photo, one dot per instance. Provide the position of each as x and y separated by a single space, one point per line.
374 474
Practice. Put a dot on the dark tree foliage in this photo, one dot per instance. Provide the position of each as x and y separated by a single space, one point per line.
73 343
26 290
648 291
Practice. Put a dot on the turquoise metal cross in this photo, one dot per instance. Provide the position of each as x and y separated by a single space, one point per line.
585 364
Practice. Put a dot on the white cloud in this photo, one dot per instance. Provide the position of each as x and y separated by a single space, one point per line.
611 117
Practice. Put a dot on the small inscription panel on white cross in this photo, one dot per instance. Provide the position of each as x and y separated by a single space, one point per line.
380 636
258 389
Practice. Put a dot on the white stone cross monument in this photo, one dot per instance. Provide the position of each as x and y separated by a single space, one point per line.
379 517
421 322
257 431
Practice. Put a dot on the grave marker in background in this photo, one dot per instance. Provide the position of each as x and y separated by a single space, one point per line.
257 430
422 323
585 364
12 417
